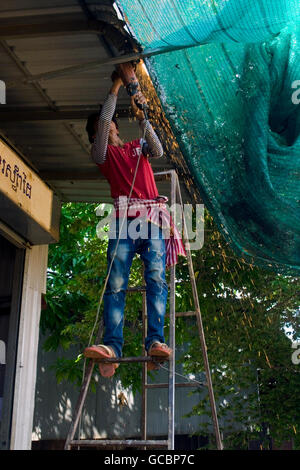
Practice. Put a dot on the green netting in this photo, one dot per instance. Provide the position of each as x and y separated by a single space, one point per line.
234 111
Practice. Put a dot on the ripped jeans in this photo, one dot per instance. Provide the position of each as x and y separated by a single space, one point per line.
153 254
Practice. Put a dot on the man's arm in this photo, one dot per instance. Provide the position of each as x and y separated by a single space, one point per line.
151 145
99 147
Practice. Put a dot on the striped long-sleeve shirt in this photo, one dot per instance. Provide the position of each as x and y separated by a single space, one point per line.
118 165
150 145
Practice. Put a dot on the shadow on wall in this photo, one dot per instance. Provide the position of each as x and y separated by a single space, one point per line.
104 417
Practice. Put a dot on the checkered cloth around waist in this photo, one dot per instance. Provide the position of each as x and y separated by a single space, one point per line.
156 212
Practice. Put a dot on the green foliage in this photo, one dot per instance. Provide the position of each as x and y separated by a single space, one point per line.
245 312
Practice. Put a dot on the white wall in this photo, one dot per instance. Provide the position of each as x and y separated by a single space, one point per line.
34 284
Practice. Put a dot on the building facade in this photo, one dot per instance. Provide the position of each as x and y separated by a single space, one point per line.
29 221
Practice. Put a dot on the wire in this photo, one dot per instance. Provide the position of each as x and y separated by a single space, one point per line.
183 376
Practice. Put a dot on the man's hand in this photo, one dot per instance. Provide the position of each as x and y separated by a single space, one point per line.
140 99
117 83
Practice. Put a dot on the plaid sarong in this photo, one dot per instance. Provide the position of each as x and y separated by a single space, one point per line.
156 212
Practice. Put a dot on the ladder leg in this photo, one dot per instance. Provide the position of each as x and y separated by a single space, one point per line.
80 403
201 331
171 384
83 392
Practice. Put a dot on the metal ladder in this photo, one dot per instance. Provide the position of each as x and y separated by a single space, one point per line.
144 443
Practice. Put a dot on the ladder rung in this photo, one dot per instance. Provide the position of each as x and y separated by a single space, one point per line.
180 314
116 442
136 289
185 314
179 385
133 359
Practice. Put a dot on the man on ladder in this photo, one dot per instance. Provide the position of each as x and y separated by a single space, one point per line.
129 173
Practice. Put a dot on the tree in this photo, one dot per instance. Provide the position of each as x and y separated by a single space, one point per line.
246 311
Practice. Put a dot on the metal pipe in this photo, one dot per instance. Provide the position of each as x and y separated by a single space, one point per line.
167 172
144 369
115 442
178 385
171 394
80 403
130 359
94 64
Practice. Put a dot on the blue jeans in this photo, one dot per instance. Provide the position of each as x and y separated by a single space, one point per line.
153 253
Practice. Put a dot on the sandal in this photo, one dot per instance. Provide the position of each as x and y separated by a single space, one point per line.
160 350
100 351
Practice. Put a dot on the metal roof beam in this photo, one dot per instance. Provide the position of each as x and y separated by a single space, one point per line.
23 114
50 26
121 59
69 175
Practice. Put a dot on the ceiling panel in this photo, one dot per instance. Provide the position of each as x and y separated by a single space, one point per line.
59 148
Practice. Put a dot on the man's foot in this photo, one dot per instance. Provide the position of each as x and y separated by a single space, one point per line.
161 352
100 351
153 365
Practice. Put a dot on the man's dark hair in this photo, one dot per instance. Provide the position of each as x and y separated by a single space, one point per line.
90 129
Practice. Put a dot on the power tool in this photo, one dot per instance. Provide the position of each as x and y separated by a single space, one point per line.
128 76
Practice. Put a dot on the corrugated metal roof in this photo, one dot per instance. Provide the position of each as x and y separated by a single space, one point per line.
56 145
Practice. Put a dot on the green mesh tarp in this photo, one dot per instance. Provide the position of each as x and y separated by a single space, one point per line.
232 99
